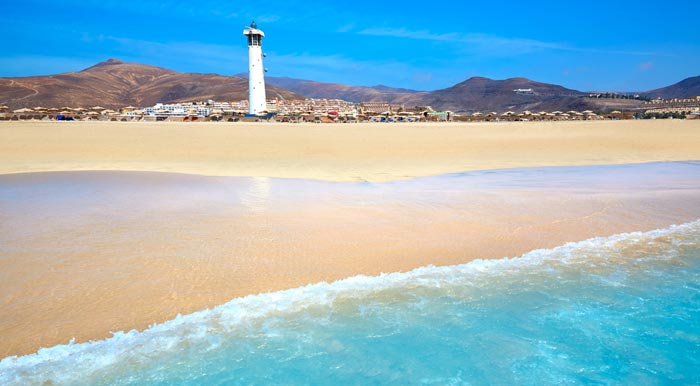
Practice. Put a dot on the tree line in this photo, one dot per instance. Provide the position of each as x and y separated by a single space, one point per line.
613 95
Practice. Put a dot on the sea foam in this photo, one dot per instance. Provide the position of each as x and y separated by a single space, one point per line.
111 361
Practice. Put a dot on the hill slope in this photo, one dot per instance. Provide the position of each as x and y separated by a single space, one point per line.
355 94
483 94
474 94
114 84
684 89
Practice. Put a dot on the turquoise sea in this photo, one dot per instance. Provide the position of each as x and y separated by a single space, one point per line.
623 310
616 310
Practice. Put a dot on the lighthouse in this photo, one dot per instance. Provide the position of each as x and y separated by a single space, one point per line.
257 103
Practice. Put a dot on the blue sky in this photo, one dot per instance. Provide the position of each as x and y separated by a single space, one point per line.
593 45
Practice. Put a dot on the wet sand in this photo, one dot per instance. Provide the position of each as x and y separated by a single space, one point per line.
86 253
342 152
83 254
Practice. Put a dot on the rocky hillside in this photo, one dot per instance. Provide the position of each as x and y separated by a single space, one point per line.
686 88
355 94
114 84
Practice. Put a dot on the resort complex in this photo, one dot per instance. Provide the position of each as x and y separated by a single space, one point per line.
335 111
689 106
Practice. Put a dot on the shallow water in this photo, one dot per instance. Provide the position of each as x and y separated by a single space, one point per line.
86 253
623 309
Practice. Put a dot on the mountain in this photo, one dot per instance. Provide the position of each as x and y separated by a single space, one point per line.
355 94
114 84
517 94
474 94
686 88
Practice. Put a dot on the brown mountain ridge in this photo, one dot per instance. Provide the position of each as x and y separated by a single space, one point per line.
517 94
115 84
356 94
686 88
474 94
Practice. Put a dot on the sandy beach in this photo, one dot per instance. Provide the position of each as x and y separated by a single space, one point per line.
352 152
85 254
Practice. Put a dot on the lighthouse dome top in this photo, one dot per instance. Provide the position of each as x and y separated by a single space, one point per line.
253 30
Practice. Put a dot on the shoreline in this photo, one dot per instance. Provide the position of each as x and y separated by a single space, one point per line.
132 249
287 299
155 217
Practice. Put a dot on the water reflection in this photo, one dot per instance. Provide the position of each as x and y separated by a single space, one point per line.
257 197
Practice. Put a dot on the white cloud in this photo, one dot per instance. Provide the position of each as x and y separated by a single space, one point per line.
490 44
480 42
345 28
404 33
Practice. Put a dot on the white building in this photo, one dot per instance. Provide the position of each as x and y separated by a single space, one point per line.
257 102
176 110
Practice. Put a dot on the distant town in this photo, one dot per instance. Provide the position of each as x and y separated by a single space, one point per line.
339 111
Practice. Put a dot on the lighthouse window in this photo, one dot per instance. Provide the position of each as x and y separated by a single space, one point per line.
254 40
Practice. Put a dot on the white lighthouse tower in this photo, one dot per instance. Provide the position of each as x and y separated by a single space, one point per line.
257 103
